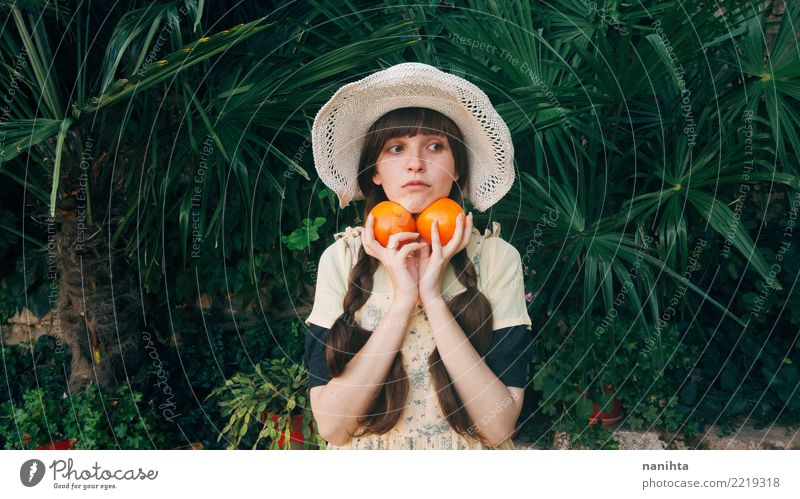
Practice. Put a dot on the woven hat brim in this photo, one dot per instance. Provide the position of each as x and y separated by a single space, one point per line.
341 125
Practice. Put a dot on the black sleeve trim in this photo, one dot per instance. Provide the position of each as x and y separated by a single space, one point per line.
510 355
316 339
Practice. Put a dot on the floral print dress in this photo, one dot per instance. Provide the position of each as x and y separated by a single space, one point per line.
422 424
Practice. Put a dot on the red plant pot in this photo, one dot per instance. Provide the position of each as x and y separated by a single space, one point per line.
295 431
610 417
65 444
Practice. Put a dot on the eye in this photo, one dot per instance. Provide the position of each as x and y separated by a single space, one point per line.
392 147
440 145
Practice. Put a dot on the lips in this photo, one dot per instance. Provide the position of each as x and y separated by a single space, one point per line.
417 183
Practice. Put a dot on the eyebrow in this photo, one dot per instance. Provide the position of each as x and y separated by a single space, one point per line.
406 139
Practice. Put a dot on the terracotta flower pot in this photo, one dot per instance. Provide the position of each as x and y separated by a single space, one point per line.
65 444
606 418
296 438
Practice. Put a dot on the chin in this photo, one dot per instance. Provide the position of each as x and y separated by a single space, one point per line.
414 207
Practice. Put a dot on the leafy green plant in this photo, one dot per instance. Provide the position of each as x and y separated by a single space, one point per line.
250 401
93 420
222 349
570 375
25 367
662 398
583 436
302 238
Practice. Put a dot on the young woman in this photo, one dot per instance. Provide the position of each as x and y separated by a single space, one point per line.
427 346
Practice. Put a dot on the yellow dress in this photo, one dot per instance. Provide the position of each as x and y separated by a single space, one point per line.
422 424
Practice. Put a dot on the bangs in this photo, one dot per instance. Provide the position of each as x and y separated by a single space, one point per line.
409 121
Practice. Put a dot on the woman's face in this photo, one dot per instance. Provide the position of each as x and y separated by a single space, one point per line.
425 158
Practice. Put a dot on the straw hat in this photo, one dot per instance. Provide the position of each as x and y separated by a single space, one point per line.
341 125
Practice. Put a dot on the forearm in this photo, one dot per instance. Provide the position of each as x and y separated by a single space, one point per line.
493 408
345 398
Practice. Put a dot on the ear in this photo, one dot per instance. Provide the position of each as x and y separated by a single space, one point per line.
376 177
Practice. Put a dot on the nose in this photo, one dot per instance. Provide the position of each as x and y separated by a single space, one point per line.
415 162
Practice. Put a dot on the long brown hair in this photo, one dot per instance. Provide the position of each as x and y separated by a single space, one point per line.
471 309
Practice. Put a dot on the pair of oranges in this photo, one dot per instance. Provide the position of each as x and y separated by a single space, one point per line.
391 218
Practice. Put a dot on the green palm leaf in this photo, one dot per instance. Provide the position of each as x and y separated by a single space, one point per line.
190 55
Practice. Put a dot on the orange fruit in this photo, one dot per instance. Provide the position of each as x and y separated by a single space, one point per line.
444 211
391 218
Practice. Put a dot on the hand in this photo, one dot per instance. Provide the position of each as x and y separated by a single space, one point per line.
399 264
434 258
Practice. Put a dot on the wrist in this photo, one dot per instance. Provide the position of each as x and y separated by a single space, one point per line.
402 302
432 300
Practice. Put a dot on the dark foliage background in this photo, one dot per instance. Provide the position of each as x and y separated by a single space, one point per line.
161 219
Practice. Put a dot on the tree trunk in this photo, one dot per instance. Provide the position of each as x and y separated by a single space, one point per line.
98 304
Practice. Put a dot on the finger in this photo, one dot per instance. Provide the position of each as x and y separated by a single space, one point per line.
368 236
406 253
364 243
455 242
436 244
409 248
400 236
468 234
369 228
405 235
425 251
